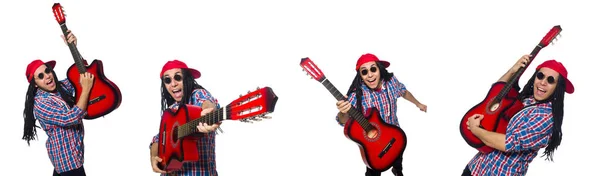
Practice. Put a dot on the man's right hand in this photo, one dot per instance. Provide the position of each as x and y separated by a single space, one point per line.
70 38
87 81
155 160
343 105
522 62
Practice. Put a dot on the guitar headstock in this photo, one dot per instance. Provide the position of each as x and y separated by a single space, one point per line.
311 69
551 36
253 106
59 14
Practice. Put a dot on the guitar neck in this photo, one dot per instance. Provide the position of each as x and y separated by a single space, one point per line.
353 112
514 79
74 52
211 118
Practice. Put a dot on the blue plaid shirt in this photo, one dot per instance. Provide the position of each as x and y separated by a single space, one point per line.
528 131
383 100
206 166
64 128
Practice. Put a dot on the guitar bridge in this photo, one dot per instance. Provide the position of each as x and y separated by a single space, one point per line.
387 148
97 99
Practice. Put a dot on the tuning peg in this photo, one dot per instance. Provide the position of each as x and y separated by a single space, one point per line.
240 95
257 87
248 91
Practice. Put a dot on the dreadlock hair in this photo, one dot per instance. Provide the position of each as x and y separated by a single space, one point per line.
356 84
557 100
189 85
29 129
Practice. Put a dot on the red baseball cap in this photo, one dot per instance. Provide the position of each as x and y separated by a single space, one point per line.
558 67
368 57
34 65
178 64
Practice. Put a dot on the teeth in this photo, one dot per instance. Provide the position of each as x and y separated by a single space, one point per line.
540 89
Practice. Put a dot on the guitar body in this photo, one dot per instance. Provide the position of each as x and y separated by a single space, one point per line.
383 148
172 150
105 96
496 115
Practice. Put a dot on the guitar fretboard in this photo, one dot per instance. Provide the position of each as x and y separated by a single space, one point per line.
210 118
74 52
353 112
514 79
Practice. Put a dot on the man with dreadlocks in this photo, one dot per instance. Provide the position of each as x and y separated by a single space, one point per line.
375 87
178 86
60 114
536 126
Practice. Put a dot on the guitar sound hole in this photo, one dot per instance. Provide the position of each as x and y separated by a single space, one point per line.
174 135
493 106
372 135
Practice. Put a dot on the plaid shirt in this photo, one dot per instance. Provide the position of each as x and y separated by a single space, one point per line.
383 100
64 128
206 166
528 131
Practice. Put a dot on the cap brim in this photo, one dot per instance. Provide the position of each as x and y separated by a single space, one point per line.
195 73
569 86
51 63
386 64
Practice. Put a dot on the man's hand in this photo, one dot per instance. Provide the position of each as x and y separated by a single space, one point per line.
70 38
155 160
474 121
205 128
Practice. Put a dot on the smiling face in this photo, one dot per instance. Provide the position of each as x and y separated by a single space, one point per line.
173 81
545 83
369 72
44 79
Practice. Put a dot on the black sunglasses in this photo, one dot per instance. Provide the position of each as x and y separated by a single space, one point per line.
365 71
541 76
167 80
47 71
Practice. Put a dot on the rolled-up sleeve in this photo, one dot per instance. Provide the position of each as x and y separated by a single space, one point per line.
398 89
154 140
530 134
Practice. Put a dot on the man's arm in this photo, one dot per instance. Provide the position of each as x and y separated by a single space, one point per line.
46 110
492 139
520 63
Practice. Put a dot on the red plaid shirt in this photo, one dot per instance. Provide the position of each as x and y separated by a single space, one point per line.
64 128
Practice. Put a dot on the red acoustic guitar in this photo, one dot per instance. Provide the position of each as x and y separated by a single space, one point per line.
176 142
380 143
105 96
501 102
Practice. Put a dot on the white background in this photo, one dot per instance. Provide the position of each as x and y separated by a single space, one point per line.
447 53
